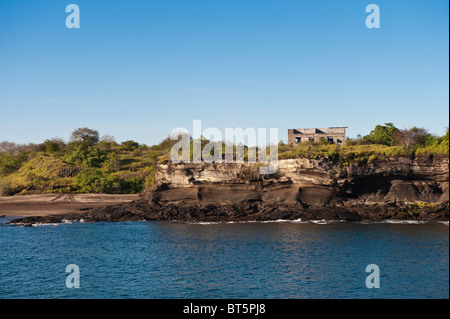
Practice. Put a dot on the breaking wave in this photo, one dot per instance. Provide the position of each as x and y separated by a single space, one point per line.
325 222
405 222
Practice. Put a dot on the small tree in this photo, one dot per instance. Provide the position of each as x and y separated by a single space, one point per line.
53 145
112 164
409 138
108 138
107 143
129 145
382 134
9 147
85 136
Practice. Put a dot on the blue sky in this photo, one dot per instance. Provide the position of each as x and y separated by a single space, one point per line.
138 69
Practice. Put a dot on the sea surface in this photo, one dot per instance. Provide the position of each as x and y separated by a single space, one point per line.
235 260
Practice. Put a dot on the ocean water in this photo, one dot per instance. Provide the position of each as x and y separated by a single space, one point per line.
238 260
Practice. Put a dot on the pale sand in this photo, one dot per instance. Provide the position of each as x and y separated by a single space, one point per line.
52 204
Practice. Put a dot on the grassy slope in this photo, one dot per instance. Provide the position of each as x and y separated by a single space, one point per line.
51 173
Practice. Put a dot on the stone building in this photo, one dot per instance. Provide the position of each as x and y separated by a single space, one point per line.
335 135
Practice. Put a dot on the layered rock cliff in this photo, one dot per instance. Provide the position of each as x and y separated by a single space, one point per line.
395 188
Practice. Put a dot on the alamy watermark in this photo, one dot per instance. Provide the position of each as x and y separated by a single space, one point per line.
258 150
373 279
73 279
73 19
373 19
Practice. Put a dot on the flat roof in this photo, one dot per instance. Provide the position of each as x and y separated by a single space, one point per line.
317 128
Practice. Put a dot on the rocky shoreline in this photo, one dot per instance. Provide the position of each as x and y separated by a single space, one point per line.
306 189
145 211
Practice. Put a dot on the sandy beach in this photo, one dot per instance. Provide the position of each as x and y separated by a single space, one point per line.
52 204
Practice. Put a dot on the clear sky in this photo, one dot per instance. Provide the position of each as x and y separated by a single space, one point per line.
138 69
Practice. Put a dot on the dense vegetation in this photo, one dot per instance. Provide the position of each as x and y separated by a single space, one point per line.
86 164
90 164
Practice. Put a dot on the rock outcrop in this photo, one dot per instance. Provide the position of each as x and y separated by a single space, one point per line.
395 188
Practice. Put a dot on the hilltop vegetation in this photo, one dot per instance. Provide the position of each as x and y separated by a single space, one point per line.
86 164
90 164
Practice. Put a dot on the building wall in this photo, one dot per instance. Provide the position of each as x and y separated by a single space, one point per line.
314 134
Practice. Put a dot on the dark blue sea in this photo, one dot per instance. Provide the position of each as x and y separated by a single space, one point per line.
236 260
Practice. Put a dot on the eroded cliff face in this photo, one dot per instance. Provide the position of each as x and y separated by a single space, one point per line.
397 188
308 182
400 188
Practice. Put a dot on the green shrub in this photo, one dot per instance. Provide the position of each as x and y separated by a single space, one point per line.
87 156
128 146
113 163
132 185
382 134
52 146
93 180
